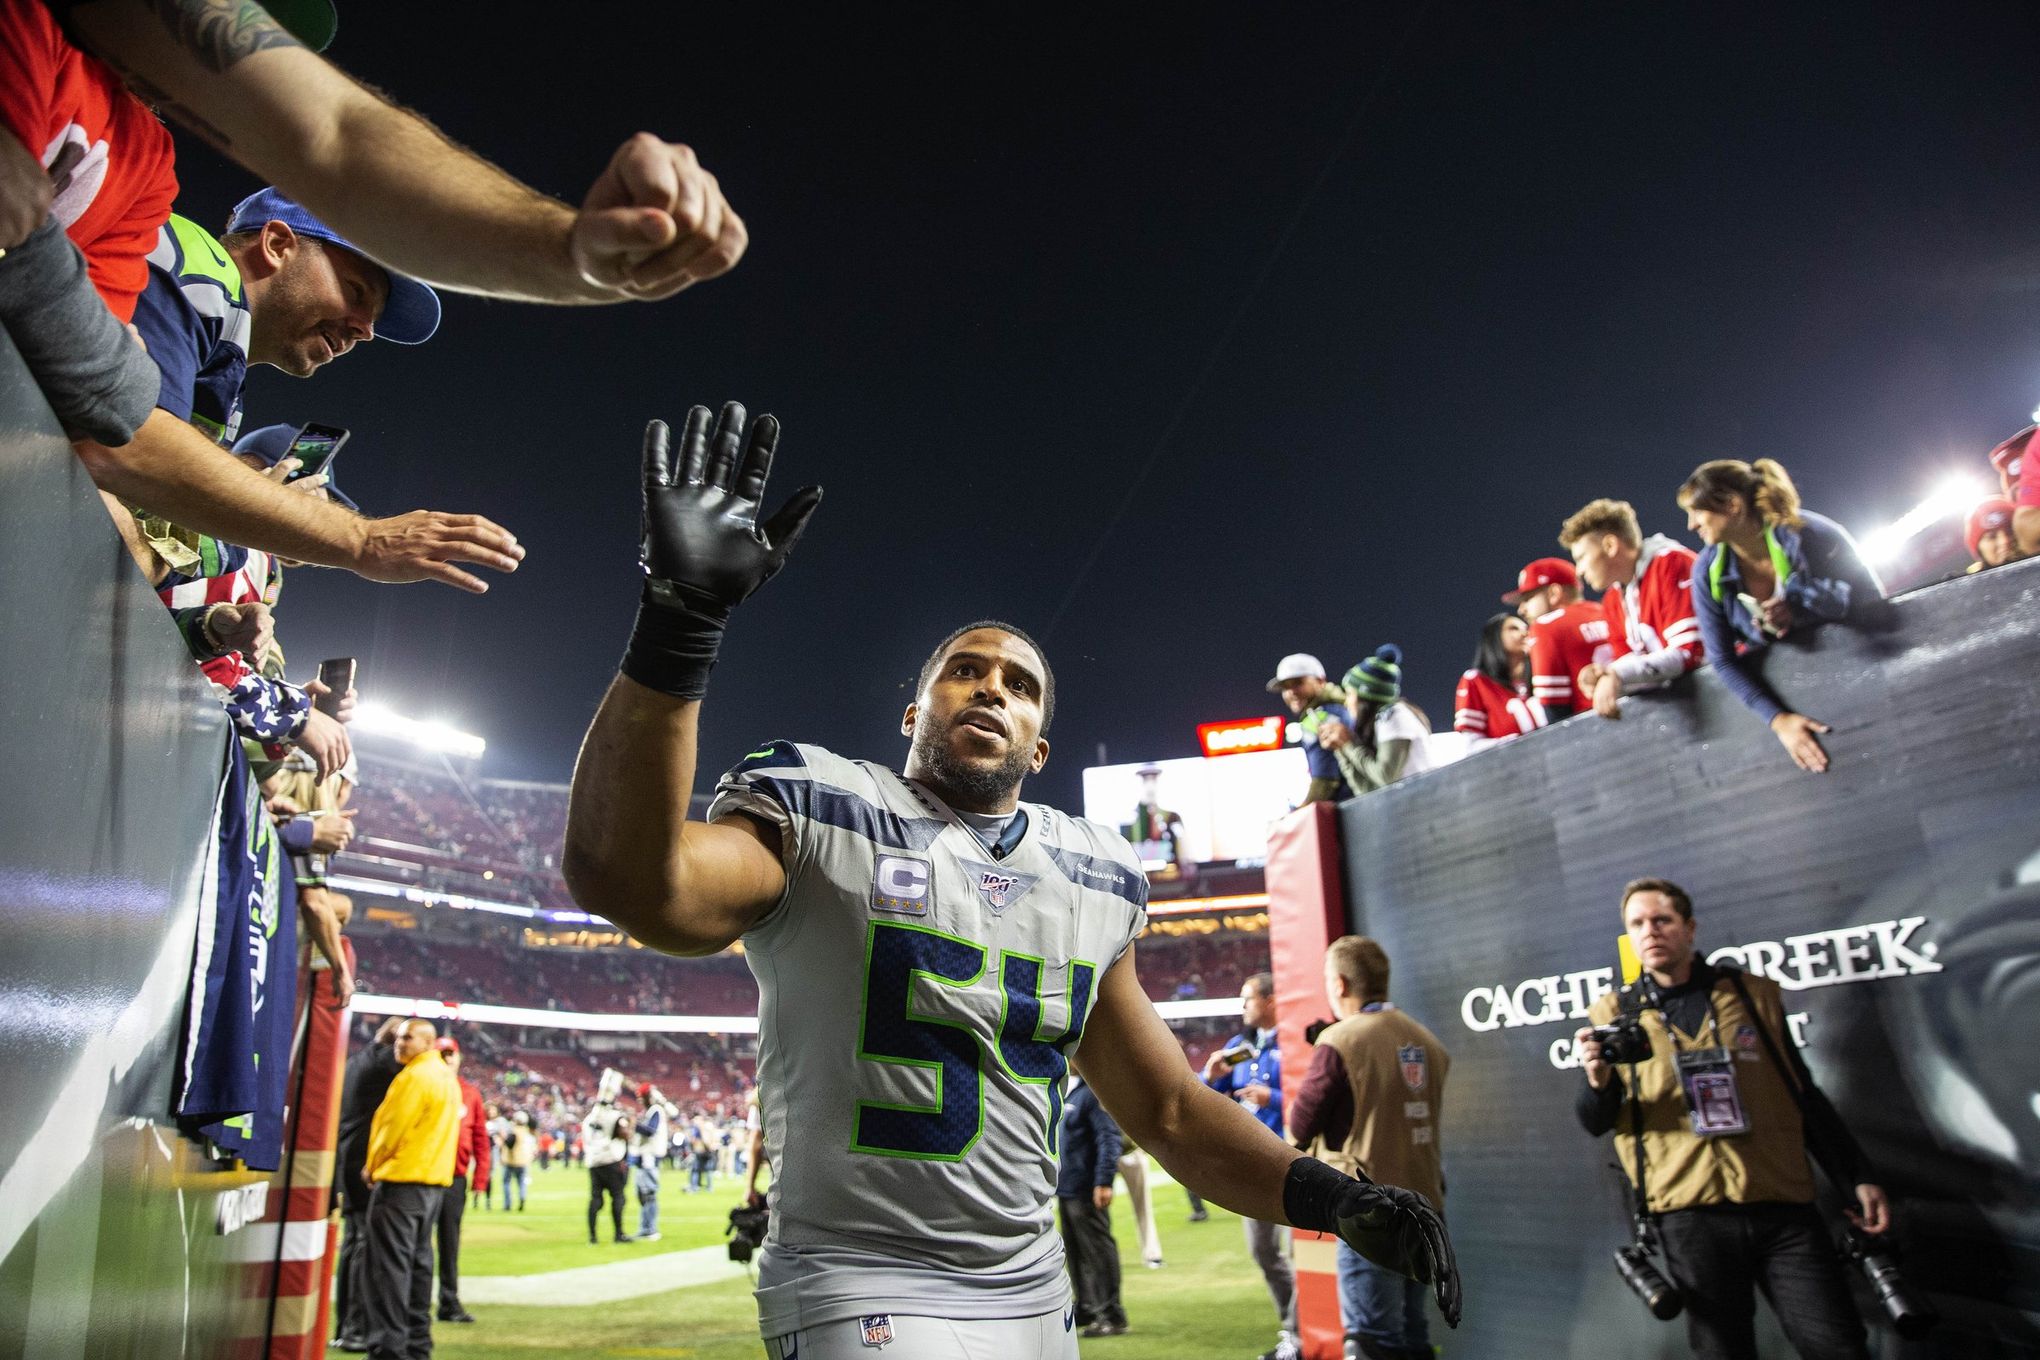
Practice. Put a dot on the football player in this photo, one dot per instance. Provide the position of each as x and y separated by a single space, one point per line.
932 955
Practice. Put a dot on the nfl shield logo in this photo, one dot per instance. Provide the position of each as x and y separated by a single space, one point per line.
1745 1036
1413 1061
877 1329
999 887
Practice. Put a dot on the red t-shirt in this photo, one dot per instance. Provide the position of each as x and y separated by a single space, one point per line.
115 165
1484 707
1562 644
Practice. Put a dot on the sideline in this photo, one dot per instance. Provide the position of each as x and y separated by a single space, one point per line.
609 1283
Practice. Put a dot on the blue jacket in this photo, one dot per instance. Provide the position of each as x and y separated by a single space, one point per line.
1263 1069
1090 1145
1828 582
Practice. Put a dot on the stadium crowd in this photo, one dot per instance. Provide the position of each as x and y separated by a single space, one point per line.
494 839
622 980
645 982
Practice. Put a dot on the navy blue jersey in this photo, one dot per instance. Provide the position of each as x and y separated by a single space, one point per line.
194 316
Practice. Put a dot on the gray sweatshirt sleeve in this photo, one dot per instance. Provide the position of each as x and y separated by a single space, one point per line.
97 379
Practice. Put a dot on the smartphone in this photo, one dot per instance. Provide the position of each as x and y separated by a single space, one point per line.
315 448
337 675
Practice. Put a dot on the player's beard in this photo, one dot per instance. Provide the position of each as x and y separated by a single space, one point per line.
968 784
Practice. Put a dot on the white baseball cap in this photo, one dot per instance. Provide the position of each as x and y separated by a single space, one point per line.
1296 666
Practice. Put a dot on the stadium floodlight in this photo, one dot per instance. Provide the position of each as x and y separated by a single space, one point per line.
1951 499
427 736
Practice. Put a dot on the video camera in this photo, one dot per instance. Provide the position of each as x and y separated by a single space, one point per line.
746 1230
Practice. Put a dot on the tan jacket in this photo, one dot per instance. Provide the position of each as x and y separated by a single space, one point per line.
1397 1070
519 1146
1768 1164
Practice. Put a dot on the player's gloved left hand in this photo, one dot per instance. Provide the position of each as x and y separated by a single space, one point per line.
703 550
1390 1226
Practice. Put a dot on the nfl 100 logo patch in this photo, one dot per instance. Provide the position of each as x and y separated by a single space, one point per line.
998 887
1415 1062
877 1328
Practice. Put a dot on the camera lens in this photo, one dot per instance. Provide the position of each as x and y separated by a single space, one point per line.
1910 1316
1659 1295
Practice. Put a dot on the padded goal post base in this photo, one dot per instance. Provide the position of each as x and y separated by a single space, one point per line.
1306 912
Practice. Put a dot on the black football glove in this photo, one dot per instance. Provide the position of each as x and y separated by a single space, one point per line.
703 551
1390 1226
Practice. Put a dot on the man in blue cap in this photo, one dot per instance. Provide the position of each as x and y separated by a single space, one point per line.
282 288
278 288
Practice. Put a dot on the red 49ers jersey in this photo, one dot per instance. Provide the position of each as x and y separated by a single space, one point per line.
1484 707
113 162
1562 643
1654 612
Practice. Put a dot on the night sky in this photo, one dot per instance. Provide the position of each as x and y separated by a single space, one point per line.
1184 337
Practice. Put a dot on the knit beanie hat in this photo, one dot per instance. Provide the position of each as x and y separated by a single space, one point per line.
1378 679
1988 516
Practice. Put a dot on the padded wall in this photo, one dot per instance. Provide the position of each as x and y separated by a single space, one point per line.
110 749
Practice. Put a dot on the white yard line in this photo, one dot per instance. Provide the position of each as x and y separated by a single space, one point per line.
607 1283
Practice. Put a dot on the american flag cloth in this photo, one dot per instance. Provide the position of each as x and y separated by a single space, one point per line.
262 707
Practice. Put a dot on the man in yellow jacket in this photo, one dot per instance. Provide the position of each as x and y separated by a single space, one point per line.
411 1145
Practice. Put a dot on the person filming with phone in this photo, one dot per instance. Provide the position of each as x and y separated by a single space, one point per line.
1715 1117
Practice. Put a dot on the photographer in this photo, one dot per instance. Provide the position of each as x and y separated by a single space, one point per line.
1724 1114
605 1140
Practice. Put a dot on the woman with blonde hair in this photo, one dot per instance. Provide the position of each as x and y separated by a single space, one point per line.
1770 569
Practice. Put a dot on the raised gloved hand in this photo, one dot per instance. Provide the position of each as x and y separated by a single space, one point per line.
703 550
1390 1226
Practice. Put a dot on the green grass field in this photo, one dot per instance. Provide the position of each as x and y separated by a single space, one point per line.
1208 1300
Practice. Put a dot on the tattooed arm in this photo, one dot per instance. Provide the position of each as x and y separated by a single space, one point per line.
654 222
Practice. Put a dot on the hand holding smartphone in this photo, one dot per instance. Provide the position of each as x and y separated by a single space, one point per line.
337 675
315 448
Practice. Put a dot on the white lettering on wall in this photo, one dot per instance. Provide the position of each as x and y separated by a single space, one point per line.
1822 958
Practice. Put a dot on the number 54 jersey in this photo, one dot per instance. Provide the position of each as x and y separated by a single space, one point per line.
920 994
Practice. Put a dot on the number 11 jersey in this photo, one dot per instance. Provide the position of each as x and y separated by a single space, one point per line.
920 994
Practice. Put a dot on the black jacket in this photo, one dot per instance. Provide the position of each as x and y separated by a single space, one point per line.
1090 1145
369 1074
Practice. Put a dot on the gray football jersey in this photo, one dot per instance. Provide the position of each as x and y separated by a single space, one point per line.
918 1002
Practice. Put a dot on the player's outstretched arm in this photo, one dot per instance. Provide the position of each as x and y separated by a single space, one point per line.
1225 1154
653 223
1207 1141
631 854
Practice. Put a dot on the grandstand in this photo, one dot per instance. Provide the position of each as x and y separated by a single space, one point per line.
459 901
